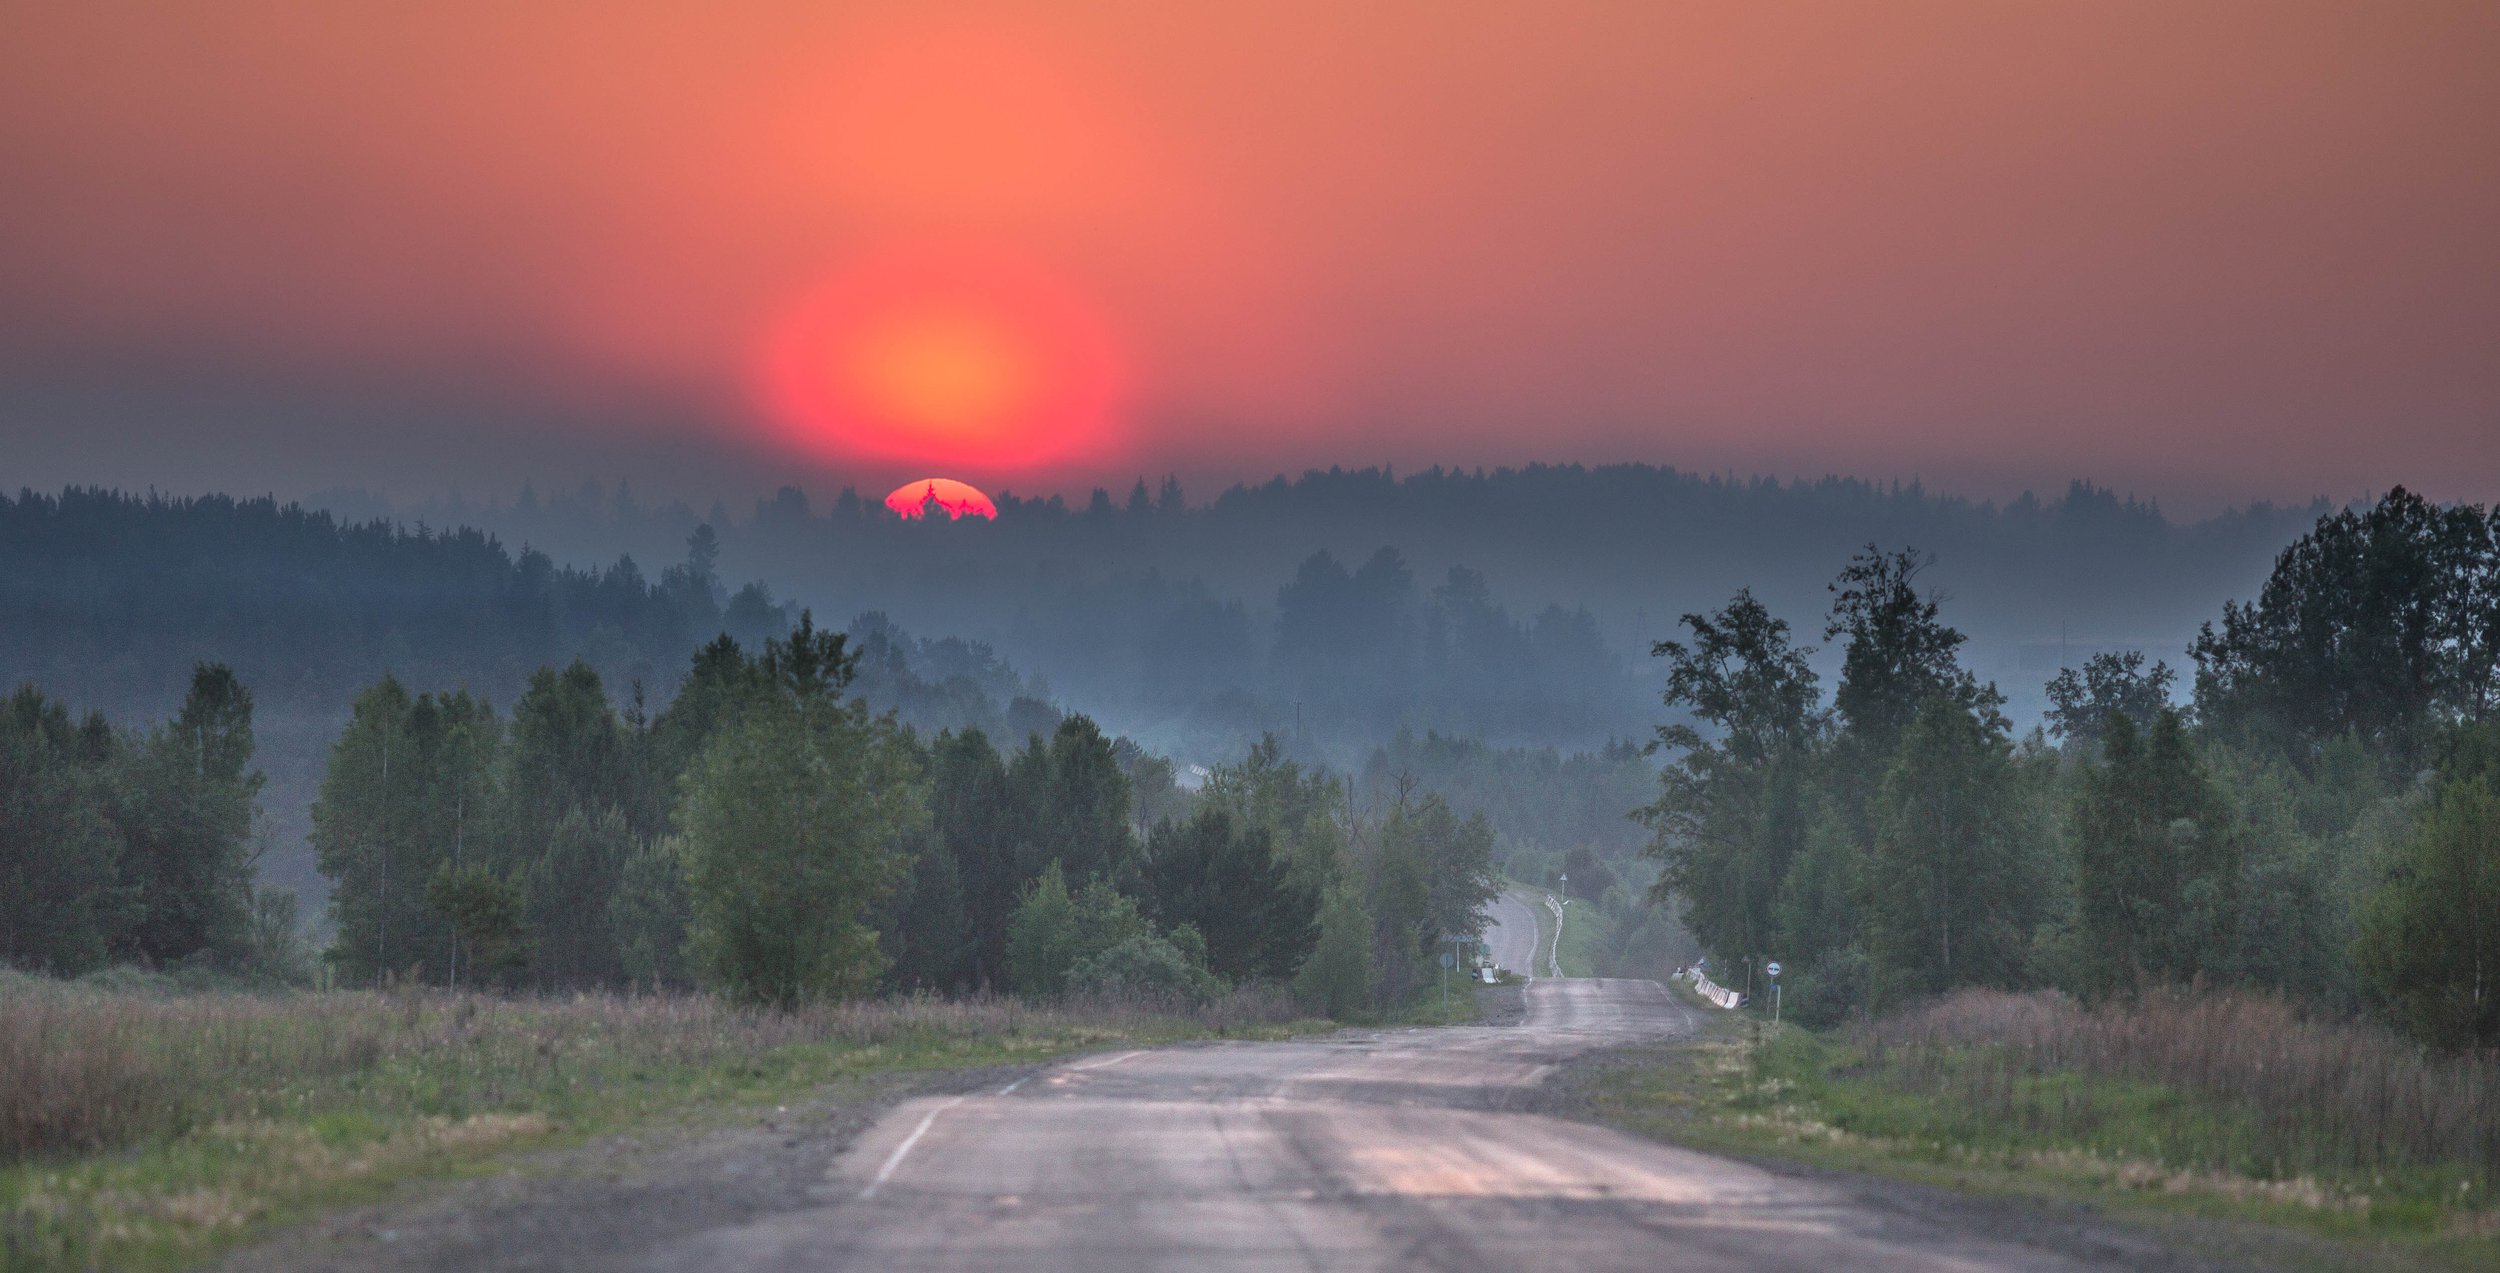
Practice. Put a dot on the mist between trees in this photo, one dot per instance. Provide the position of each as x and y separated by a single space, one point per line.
766 835
1292 608
1334 608
2321 821
2316 820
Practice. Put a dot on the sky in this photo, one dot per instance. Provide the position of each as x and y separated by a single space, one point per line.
2203 252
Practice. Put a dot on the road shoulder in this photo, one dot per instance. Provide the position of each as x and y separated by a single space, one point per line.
602 1203
1677 1092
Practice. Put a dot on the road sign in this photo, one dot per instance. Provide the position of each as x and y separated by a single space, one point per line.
1772 968
1448 960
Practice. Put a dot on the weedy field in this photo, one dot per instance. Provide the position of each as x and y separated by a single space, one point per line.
145 1129
2356 1145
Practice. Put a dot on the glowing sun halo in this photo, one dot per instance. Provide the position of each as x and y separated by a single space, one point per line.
945 358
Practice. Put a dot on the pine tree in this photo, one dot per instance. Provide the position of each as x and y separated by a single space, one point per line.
571 892
62 901
1227 880
2156 861
925 931
183 798
972 814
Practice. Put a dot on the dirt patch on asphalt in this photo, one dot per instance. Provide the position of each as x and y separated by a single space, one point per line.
600 1205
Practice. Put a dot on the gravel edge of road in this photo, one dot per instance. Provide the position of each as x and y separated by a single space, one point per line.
596 1205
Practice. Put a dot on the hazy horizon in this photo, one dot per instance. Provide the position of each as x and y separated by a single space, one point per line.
2208 255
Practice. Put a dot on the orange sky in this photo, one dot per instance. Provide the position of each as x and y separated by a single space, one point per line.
2205 251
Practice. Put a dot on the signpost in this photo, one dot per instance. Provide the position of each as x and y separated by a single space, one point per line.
1449 960
1772 969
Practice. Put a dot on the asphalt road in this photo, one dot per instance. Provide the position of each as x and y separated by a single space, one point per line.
1395 1149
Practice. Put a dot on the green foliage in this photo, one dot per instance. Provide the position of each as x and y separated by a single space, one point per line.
1074 804
184 798
2379 625
2157 861
1399 896
1636 937
572 886
1903 846
1054 930
925 932
1818 918
650 917
2430 934
1337 978
1226 880
1947 901
63 901
132 846
1298 809
1732 804
488 917
1152 967
275 949
974 820
567 757
2081 703
790 817
1900 655
410 787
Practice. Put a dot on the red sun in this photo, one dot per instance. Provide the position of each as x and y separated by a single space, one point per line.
957 500
945 357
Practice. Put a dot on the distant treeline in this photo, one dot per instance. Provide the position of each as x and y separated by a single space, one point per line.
108 601
1198 626
2323 821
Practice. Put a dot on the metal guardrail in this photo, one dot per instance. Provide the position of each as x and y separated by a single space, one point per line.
1715 993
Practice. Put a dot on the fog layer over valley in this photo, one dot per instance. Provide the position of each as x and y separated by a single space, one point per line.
1381 626
1516 605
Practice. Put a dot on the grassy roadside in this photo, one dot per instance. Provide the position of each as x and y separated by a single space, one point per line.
2203 1172
1578 950
145 1132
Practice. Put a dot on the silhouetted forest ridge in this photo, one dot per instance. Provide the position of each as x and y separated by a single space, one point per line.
1196 626
110 602
112 598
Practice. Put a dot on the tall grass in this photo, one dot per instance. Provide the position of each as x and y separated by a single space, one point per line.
85 1069
2275 1093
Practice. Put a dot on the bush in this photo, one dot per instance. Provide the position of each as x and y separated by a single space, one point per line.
2427 938
1150 967
1054 930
